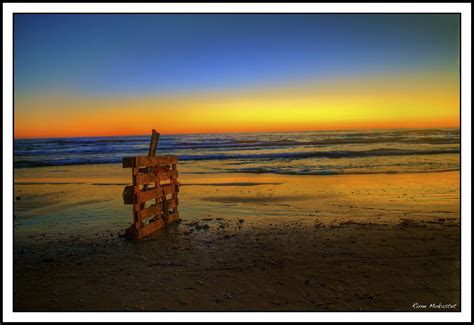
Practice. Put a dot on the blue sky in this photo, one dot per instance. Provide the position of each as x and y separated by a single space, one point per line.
174 53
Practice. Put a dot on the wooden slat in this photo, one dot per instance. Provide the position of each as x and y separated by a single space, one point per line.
141 179
155 210
155 192
163 175
155 137
145 161
146 230
169 188
141 197
147 195
128 162
174 180
128 194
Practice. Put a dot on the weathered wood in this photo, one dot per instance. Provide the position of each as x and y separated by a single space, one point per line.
150 228
155 209
141 179
136 222
153 193
155 137
163 174
129 192
148 170
145 161
174 180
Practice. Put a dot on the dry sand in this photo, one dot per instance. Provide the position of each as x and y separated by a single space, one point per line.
245 243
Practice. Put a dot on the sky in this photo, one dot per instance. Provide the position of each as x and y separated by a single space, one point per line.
125 74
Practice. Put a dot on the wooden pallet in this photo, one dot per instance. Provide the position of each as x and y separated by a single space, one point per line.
154 193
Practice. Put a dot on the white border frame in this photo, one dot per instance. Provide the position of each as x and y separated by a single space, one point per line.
463 8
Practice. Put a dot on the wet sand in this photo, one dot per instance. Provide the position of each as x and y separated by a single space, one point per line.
245 242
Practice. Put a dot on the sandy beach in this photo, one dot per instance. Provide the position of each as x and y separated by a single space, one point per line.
245 242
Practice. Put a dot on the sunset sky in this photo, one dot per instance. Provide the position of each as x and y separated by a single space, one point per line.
88 75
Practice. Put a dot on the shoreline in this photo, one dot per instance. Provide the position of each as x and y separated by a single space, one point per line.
250 184
22 171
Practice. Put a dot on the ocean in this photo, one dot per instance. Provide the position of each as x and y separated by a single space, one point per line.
300 153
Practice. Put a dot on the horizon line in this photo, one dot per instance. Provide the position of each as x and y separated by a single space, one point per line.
239 132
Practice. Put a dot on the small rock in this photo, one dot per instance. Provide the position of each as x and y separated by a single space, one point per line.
18 198
241 220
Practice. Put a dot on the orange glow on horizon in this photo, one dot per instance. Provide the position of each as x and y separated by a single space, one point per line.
426 100
400 124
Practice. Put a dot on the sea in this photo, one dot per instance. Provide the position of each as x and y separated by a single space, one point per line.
294 153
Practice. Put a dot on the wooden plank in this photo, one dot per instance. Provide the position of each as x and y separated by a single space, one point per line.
148 195
173 217
135 220
169 188
148 212
128 162
141 179
174 180
145 161
155 137
155 192
150 228
158 160
163 175
128 194
155 210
